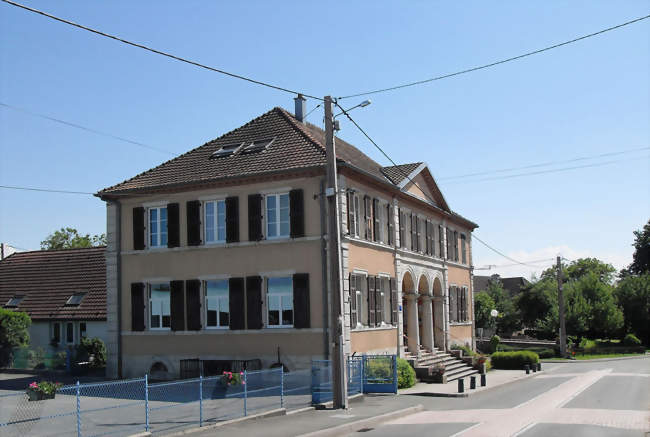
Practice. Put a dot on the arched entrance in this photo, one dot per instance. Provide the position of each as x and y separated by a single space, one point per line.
410 313
438 315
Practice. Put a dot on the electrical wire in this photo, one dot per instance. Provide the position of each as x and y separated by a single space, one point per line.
315 108
544 164
492 64
87 129
411 180
159 52
46 190
493 266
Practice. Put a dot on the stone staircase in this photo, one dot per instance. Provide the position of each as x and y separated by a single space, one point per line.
455 368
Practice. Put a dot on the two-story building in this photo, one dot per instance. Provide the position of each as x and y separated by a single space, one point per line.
220 254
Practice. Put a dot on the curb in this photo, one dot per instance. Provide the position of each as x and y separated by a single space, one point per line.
597 360
330 404
272 413
469 392
351 427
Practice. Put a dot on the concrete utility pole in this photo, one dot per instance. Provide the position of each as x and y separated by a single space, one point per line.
339 377
560 300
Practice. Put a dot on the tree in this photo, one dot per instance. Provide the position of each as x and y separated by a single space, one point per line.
535 301
641 258
593 307
633 295
13 333
69 238
483 304
508 320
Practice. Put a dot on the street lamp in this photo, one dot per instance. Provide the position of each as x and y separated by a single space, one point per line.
360 105
494 313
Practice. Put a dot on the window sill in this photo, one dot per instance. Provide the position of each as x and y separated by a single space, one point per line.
460 323
373 328
206 246
225 331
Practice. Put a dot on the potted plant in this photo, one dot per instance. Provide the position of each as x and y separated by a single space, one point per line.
437 373
479 364
43 390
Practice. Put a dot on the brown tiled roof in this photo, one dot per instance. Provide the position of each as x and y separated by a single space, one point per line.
397 173
296 146
48 278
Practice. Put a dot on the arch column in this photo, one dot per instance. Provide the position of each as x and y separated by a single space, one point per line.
427 323
412 323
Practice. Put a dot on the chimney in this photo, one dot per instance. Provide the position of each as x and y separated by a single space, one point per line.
301 107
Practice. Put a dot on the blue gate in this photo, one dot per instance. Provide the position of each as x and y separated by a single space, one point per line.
379 373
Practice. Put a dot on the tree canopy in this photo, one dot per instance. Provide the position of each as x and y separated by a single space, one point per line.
641 257
13 333
69 238
483 304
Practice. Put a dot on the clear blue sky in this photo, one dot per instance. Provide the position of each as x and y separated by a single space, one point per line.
588 98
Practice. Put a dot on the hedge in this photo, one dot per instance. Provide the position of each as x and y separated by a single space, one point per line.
405 374
513 360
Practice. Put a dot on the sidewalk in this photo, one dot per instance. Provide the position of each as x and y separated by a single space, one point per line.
494 378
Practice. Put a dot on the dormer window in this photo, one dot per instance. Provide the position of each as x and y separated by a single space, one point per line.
14 301
257 146
226 150
75 299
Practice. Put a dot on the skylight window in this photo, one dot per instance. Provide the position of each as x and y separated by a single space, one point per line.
226 150
14 301
75 299
257 146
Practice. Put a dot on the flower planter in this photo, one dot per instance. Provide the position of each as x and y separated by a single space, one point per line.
37 395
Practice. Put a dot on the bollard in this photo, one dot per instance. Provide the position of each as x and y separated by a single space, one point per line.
527 368
472 382
245 394
483 380
539 366
534 367
461 385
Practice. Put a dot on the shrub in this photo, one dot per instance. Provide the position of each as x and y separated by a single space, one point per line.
379 368
92 347
405 374
467 351
513 360
14 333
546 353
631 340
494 343
36 358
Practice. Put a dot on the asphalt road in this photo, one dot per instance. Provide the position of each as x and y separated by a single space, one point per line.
601 399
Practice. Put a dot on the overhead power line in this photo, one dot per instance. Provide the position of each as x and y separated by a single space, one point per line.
411 180
46 190
543 164
159 52
493 64
87 129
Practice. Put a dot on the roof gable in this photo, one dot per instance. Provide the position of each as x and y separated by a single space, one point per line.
420 183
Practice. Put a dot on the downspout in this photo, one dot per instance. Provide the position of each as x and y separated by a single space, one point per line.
324 263
118 249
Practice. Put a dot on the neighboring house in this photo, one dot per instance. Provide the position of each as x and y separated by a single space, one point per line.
220 255
512 285
6 250
63 292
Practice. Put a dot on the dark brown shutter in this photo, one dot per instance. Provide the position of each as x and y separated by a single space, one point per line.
177 305
353 302
427 239
449 254
138 228
366 218
414 232
173 226
296 213
137 306
254 302
254 217
193 293
389 223
401 227
232 219
441 242
380 286
350 204
394 304
375 215
371 301
456 246
301 307
193 222
236 303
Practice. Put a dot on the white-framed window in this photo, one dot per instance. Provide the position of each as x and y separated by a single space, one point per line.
82 330
69 332
279 296
362 300
158 226
215 221
217 304
159 306
407 230
277 215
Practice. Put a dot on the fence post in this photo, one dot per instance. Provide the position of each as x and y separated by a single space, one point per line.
78 410
146 402
395 378
200 400
282 387
363 373
245 392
